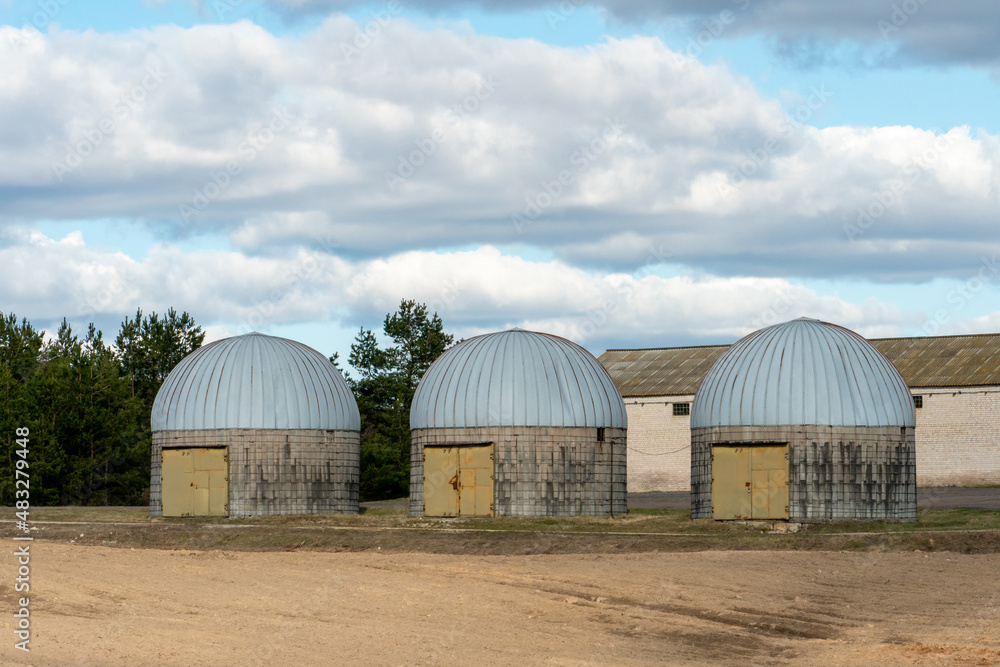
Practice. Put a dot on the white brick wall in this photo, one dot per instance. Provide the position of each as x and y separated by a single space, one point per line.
958 440
958 436
659 444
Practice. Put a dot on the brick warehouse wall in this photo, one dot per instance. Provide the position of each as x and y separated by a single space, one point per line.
274 471
957 440
539 471
659 444
958 436
834 472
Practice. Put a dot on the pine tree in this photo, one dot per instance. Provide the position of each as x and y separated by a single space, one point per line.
384 391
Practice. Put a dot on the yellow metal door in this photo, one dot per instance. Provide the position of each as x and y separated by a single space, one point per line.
750 482
769 482
475 489
441 481
195 482
458 481
730 482
212 482
176 476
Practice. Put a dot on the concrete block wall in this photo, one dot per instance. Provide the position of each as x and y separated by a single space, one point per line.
539 471
272 471
834 472
659 444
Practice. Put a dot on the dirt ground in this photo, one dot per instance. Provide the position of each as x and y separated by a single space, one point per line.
94 605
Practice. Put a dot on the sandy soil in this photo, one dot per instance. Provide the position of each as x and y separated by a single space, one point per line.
107 606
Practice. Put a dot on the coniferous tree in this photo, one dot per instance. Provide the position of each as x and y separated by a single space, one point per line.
148 348
384 391
87 406
20 346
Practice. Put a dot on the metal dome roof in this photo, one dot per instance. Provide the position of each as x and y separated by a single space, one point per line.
803 372
255 381
517 378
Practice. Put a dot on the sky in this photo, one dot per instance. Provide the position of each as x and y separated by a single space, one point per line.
626 173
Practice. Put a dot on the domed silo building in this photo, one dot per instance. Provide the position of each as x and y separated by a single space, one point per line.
517 423
804 421
254 425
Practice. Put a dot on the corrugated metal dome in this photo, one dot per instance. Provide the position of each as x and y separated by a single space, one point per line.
517 378
255 381
803 372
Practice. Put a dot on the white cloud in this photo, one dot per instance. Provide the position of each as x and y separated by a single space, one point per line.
474 291
476 129
617 157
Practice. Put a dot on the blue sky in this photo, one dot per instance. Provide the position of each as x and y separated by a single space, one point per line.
625 173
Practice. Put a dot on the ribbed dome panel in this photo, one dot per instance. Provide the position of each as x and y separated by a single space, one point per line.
803 372
255 381
517 378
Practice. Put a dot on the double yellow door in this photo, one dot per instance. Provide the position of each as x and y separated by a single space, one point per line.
750 482
195 482
458 481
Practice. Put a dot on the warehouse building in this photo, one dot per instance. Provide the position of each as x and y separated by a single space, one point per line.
254 425
517 423
803 420
954 381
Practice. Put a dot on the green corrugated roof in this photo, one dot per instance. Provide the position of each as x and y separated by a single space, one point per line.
930 361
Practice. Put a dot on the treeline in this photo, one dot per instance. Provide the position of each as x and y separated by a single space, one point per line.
384 391
88 403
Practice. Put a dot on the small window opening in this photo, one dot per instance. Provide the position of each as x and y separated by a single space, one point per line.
918 401
682 409
600 434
